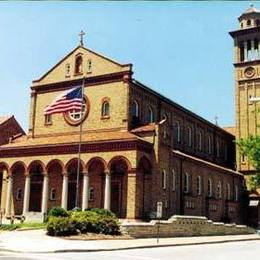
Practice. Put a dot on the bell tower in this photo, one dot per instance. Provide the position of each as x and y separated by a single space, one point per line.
247 79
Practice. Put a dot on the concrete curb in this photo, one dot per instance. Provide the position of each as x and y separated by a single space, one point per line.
129 247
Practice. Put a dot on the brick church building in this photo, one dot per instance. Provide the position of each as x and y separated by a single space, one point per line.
138 148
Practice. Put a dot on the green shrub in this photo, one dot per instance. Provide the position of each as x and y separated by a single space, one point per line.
61 226
9 227
103 212
90 221
108 226
58 212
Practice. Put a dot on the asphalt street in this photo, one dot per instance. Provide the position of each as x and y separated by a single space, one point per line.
234 250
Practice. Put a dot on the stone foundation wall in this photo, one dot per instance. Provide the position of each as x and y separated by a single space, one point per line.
184 226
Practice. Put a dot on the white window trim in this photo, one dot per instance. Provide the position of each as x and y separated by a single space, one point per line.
135 103
151 115
51 194
173 180
178 129
209 187
186 183
198 185
164 182
219 190
236 193
91 190
189 136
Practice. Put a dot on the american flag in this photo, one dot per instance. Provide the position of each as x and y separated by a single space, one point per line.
69 99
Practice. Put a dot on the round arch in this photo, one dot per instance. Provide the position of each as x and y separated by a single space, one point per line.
53 162
96 159
35 164
4 166
117 159
74 161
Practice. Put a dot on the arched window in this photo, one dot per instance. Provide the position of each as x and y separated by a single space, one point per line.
236 193
209 145
228 192
105 109
209 187
78 64
189 136
53 194
200 141
164 179
173 180
89 66
18 194
67 70
178 131
91 194
186 183
219 190
241 25
150 115
135 109
248 22
217 149
198 185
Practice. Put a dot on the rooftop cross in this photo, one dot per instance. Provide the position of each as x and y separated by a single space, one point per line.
81 35
216 120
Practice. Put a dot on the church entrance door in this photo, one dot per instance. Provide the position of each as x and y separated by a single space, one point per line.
36 193
72 195
116 197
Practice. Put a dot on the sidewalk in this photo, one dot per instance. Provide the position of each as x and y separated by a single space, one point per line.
35 241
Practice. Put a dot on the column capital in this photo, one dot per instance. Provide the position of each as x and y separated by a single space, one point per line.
85 173
107 172
65 174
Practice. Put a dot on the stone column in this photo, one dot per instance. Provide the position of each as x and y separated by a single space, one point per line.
26 197
9 196
245 50
85 196
107 202
64 199
133 196
45 193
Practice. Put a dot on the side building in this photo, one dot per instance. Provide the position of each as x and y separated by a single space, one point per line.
9 130
138 148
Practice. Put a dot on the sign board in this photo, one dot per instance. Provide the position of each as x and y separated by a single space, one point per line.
159 209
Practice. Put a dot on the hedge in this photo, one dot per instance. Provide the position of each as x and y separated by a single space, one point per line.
90 221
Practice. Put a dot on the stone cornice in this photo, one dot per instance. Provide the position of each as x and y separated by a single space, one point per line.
89 81
38 150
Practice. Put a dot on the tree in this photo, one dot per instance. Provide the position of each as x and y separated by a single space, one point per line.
250 147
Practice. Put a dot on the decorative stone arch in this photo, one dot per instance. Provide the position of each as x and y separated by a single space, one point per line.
17 164
72 172
144 165
144 187
5 166
36 172
34 164
96 169
120 159
97 159
75 161
55 172
119 167
55 161
19 171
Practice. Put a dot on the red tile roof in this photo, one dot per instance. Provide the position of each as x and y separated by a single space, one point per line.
145 128
4 119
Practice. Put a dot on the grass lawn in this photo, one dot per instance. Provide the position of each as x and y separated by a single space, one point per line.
22 226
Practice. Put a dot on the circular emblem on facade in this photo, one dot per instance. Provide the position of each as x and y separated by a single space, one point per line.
249 72
74 117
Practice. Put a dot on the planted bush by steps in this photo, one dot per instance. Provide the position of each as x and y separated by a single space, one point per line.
90 221
61 226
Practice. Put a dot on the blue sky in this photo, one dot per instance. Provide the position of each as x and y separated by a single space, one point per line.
180 49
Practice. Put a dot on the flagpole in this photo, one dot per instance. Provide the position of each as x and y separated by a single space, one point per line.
80 141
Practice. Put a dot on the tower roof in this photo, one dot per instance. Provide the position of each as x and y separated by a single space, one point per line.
251 10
